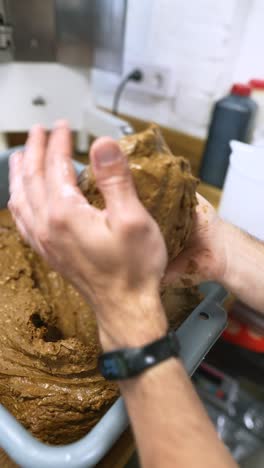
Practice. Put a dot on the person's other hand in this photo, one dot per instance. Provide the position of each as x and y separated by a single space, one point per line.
204 256
115 257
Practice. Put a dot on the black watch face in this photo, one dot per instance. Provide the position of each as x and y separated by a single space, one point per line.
126 363
112 367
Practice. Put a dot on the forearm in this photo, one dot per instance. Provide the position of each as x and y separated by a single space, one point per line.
244 270
170 424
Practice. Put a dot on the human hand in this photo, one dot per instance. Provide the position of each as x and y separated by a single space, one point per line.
204 256
115 257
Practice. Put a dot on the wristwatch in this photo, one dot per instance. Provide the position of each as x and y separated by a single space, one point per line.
129 362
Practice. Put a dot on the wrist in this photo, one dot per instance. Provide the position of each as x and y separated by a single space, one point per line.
241 253
154 375
219 249
226 243
138 321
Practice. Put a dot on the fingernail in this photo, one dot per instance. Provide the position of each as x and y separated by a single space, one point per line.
108 156
14 156
35 127
61 123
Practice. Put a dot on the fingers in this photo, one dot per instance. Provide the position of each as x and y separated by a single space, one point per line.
61 180
33 167
59 167
17 204
183 272
42 181
114 179
205 210
15 165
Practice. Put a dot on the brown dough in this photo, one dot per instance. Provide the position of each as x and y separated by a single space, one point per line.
48 337
164 184
48 347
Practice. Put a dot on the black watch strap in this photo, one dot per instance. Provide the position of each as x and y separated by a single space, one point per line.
129 362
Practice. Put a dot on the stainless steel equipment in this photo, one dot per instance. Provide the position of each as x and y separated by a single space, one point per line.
47 51
73 32
237 414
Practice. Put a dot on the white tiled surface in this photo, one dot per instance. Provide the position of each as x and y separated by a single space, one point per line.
206 43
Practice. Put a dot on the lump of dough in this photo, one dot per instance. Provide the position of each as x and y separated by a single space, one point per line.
164 184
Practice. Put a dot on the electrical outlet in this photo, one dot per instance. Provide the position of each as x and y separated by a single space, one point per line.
157 80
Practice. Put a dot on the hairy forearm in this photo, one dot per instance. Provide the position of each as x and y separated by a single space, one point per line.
244 271
170 424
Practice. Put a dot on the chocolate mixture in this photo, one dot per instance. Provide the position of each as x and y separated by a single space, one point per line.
48 347
48 337
164 184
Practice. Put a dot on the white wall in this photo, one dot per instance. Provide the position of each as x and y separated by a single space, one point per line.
205 43
250 62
